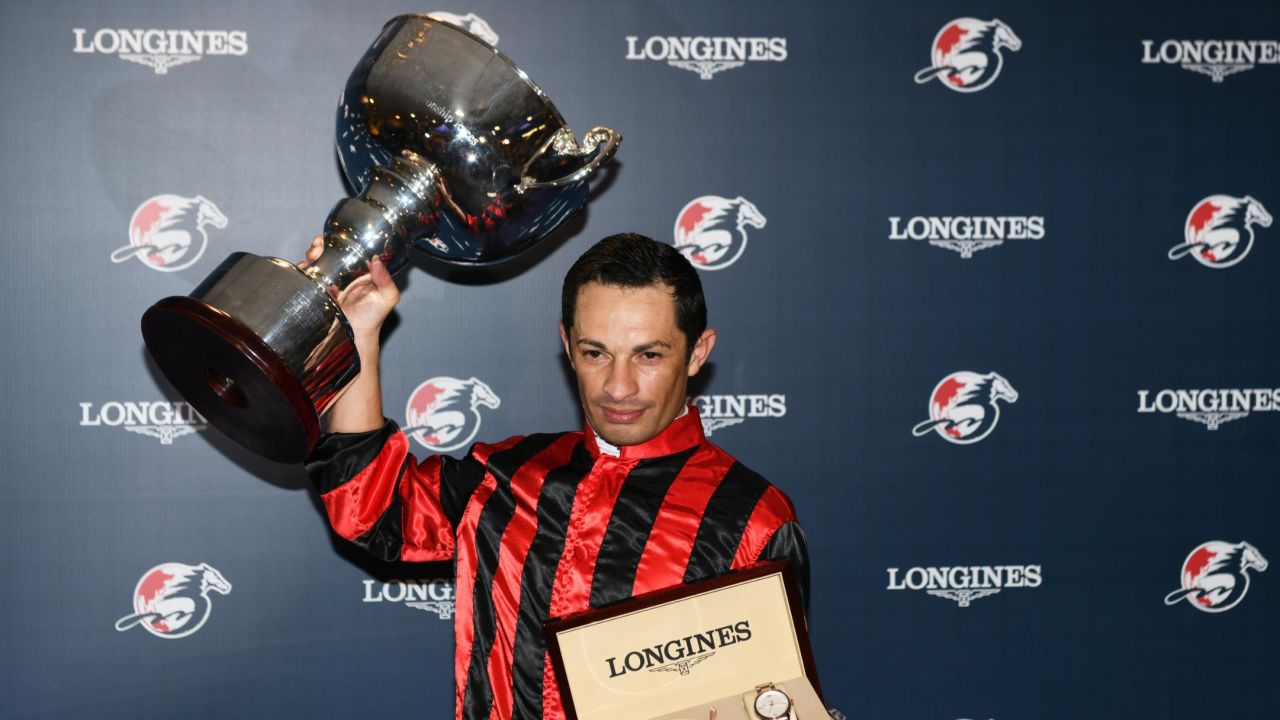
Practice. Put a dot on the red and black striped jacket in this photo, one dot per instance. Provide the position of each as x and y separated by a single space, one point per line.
543 526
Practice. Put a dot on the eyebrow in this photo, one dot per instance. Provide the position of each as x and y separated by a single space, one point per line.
645 347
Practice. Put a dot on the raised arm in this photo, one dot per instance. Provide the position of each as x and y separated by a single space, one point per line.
374 491
366 302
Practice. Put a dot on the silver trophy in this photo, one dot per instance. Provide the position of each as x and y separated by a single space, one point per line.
454 151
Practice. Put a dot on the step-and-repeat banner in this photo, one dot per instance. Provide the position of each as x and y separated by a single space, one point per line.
995 286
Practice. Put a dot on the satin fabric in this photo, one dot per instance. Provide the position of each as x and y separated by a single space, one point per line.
545 526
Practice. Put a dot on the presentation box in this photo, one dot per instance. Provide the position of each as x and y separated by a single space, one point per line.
711 649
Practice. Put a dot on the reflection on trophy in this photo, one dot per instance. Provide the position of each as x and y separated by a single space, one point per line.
453 150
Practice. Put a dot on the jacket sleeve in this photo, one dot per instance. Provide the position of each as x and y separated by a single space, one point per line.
378 496
773 533
788 543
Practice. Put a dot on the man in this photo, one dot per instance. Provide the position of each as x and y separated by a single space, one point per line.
544 526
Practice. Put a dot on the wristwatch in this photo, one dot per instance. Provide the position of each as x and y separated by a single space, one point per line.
772 703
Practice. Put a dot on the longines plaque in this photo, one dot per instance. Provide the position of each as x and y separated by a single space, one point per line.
678 652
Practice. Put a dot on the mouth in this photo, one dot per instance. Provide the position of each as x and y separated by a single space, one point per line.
621 416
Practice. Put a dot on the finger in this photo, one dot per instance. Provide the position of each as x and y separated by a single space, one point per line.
382 281
379 274
313 252
352 292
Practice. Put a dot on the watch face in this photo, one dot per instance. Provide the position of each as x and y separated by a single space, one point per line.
772 704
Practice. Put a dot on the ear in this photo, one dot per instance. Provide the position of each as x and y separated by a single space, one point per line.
564 340
701 349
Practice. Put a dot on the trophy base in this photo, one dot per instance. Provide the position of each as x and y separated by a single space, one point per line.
232 378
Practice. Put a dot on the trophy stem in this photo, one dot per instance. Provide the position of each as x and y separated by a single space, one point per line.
400 203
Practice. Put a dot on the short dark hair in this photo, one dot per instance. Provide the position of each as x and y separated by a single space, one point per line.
631 260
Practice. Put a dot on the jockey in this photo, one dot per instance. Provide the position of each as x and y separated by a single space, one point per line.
546 525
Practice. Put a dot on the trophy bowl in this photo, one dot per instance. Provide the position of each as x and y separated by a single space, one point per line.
453 151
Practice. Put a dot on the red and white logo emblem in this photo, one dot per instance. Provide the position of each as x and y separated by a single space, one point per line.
712 231
966 54
1219 230
167 232
963 408
443 413
1215 576
172 600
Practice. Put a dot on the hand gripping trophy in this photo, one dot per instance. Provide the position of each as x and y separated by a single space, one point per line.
454 151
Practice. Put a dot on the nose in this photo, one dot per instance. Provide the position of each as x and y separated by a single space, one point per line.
620 383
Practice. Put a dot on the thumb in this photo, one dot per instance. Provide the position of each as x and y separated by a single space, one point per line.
379 274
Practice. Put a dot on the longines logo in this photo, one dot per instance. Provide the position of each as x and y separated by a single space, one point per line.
160 49
161 420
707 55
1215 58
720 411
967 235
681 654
1213 406
433 596
964 584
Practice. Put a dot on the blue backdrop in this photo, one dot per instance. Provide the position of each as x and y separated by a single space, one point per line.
1001 274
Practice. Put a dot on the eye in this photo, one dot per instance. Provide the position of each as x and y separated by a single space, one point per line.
651 355
592 354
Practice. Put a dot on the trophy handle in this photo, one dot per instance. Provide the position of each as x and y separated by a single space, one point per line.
597 147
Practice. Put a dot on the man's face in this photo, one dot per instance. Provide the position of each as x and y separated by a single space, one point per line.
630 360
